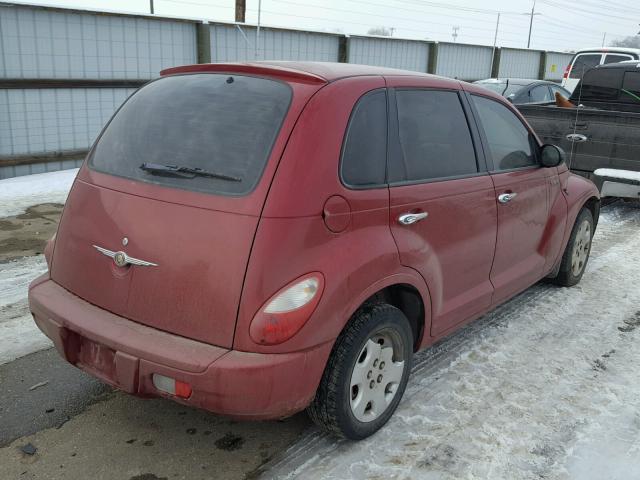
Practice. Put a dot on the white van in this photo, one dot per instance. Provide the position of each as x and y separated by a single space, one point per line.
583 60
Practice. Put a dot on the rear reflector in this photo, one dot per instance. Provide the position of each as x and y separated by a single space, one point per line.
171 386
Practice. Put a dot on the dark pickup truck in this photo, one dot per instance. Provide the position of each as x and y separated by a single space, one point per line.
602 135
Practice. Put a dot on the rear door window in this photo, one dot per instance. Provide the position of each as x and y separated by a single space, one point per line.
364 154
434 137
539 94
510 142
599 84
223 124
584 62
615 58
630 92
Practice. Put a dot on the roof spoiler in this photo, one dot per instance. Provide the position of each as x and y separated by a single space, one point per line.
249 68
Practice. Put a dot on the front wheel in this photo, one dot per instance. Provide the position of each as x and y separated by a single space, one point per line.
366 374
576 255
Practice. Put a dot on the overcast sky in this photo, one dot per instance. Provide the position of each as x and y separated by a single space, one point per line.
559 24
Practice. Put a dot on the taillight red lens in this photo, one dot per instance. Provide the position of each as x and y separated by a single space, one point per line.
284 314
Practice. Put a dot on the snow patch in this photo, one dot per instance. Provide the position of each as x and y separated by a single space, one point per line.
19 193
19 335
615 173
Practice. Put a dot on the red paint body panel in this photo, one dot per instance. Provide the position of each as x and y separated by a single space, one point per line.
221 258
453 247
519 260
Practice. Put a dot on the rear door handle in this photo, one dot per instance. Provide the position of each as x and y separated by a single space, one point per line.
506 197
576 137
411 218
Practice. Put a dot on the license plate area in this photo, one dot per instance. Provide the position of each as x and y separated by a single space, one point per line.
97 359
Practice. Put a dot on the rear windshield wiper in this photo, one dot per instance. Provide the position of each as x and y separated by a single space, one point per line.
185 172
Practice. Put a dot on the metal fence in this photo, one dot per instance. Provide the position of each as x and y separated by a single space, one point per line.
63 72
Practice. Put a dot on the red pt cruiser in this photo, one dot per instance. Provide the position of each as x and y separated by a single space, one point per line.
257 239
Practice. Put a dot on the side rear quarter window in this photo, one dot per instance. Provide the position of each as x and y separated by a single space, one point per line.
510 143
364 152
435 141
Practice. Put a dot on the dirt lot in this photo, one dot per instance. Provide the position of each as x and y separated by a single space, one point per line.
26 234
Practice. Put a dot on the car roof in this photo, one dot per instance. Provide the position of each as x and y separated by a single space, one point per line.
610 50
513 81
315 72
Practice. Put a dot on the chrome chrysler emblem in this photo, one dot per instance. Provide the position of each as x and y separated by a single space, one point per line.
121 259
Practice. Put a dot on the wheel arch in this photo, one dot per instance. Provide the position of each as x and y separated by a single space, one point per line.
405 292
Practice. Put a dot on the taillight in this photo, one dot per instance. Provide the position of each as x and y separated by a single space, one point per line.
566 72
284 314
171 386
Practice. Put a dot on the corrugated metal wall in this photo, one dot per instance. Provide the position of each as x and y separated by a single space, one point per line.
231 44
405 54
555 65
466 62
10 171
34 121
519 63
40 43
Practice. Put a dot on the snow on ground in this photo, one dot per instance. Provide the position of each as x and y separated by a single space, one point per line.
546 386
19 335
19 193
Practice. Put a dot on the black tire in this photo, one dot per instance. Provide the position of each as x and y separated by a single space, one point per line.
567 275
331 408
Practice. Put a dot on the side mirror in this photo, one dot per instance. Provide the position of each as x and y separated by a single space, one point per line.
552 155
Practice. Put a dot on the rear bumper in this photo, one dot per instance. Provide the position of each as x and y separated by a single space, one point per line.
126 354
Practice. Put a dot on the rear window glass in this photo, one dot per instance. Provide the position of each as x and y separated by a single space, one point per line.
599 84
223 124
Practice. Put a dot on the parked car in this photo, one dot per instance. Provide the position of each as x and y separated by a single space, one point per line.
522 90
604 132
257 239
583 60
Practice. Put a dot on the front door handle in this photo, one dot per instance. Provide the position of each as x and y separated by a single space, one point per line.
411 218
576 137
506 197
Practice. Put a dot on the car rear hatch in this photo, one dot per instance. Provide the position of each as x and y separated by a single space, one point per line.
168 246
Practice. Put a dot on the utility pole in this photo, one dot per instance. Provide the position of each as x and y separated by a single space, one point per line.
533 12
495 42
258 28
604 38
151 6
391 29
241 10
454 34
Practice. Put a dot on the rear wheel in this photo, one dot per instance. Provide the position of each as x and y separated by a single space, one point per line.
366 374
576 255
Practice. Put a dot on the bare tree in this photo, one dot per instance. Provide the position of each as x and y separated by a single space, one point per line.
381 31
631 42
